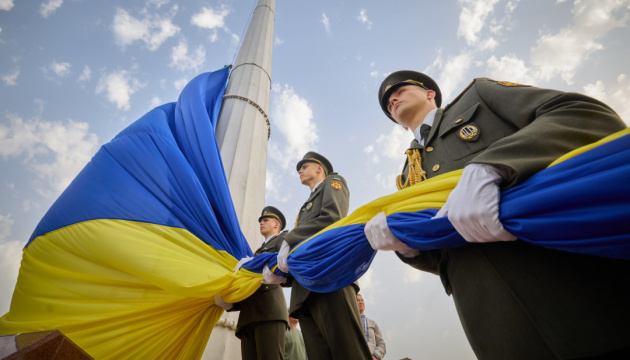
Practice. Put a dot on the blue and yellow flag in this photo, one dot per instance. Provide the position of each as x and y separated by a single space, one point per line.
127 261
580 203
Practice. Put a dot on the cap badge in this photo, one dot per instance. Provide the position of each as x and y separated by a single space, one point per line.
469 132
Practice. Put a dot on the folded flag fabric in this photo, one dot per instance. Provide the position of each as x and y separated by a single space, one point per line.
127 261
580 203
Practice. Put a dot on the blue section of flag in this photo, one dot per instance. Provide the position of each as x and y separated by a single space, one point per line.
163 169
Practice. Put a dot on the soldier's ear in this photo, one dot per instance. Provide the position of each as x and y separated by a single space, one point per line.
430 94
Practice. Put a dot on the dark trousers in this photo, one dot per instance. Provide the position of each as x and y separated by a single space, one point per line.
331 326
519 301
263 340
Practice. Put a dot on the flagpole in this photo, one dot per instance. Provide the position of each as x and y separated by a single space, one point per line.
242 132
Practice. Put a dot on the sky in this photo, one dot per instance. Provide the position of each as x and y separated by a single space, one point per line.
74 73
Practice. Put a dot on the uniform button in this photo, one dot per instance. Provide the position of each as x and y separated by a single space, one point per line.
436 167
429 148
458 121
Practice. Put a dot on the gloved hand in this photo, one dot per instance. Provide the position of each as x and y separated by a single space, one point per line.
282 257
218 301
381 238
271 278
473 205
241 263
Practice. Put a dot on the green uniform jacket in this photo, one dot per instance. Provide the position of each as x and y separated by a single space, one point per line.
327 204
571 301
268 302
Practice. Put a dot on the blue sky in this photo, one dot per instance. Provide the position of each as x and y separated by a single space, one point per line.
73 73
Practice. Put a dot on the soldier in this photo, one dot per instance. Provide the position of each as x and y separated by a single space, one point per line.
515 300
329 321
263 320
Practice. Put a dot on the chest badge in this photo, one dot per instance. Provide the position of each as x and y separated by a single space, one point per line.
309 206
336 185
469 132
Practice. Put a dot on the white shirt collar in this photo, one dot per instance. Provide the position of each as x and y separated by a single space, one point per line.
267 239
316 185
428 120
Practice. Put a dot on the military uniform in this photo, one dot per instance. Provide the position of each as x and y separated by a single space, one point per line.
516 300
330 322
263 320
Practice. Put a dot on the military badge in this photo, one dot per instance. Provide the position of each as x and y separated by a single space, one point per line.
508 83
469 132
309 206
336 185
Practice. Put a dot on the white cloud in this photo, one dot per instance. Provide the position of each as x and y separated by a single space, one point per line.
473 17
363 19
453 74
213 20
511 68
153 30
11 78
278 41
210 18
179 84
388 150
5 226
10 258
69 144
614 94
391 146
326 23
374 74
86 75
49 8
60 69
411 275
155 102
182 61
292 117
561 54
157 3
6 5
119 86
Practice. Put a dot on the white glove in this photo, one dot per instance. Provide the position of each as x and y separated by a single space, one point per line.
241 263
218 301
271 278
282 257
381 238
473 205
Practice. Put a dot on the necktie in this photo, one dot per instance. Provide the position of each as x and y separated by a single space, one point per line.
424 132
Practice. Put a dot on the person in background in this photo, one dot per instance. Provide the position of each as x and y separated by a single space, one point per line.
294 344
372 333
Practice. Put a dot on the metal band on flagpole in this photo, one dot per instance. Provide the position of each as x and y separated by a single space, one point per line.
254 105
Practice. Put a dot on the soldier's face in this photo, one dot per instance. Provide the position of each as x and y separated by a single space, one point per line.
309 172
269 226
409 104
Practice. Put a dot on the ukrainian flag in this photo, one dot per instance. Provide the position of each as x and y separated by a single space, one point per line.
580 203
127 261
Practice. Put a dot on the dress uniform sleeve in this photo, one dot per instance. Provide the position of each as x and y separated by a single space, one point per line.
551 124
335 204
